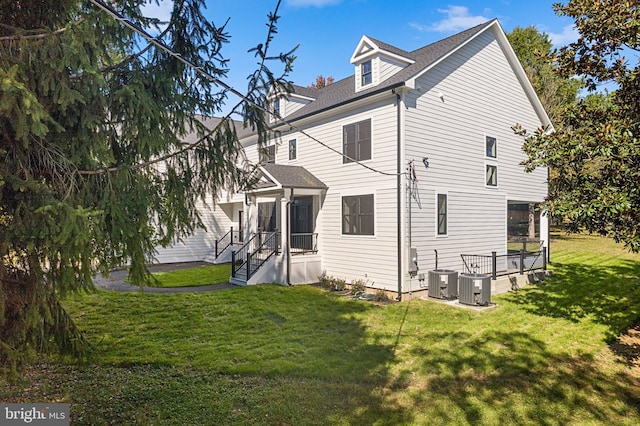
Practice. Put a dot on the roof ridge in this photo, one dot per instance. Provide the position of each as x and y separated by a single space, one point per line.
343 91
389 47
456 35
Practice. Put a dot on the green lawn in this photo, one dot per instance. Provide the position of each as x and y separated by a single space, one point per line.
191 277
273 355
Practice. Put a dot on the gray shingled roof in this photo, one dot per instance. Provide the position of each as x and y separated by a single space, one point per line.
292 177
305 91
343 91
389 48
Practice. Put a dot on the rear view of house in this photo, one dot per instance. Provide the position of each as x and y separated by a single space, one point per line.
405 166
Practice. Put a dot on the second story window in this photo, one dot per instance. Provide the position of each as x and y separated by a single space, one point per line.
356 141
268 154
293 149
492 147
367 75
491 175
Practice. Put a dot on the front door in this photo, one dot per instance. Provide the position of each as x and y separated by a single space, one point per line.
301 223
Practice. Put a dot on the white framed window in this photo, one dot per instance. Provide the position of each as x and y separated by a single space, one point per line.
442 214
358 215
293 149
491 175
366 73
356 141
276 107
268 154
491 145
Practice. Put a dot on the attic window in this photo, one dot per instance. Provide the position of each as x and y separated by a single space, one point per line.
276 106
367 76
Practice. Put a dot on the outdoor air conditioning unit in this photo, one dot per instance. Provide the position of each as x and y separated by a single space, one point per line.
475 289
443 284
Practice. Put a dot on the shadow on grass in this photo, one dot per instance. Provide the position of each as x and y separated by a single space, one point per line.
278 355
608 295
267 355
510 377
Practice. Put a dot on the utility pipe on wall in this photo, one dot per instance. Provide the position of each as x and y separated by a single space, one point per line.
399 192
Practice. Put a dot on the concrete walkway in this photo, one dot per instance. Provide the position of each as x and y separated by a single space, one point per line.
116 280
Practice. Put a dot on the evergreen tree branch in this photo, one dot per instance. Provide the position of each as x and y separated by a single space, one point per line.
163 158
41 35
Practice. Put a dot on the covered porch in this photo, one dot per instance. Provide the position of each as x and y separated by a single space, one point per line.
283 209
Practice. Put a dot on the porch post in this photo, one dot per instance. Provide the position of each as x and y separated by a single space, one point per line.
545 234
284 223
251 222
285 205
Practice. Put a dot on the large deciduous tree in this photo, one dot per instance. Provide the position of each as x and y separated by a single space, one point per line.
94 171
556 92
596 153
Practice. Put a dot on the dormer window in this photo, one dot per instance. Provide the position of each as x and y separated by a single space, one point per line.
375 62
276 107
367 75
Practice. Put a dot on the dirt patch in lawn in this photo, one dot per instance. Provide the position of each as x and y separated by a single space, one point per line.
627 347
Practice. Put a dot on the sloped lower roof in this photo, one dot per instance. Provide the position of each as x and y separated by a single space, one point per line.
287 176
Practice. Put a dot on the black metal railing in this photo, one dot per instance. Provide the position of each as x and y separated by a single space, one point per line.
255 252
515 244
505 264
270 246
230 238
304 243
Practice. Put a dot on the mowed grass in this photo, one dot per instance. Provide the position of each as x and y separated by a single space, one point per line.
273 355
193 277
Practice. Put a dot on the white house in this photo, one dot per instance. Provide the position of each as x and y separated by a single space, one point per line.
371 176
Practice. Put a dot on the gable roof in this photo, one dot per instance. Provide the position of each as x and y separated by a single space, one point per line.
343 91
369 46
285 176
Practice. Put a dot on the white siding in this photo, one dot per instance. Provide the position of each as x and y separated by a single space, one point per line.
476 224
349 256
201 245
375 74
388 67
481 97
291 105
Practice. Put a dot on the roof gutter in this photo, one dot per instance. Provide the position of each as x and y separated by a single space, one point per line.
365 95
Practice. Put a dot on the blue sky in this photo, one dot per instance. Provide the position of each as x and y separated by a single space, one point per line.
327 31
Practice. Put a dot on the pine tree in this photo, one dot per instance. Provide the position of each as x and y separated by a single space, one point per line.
94 172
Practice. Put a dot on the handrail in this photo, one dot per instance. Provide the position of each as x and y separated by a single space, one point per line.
487 264
240 257
227 239
269 247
